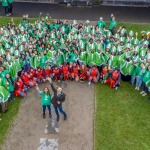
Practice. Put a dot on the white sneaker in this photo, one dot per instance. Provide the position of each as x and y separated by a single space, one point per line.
135 88
138 88
142 92
89 83
116 88
7 15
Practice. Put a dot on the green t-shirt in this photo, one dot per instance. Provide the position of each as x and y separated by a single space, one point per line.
46 98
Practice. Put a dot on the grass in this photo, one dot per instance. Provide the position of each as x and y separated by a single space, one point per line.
122 119
7 118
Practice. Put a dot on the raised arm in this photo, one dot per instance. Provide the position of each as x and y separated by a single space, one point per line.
52 86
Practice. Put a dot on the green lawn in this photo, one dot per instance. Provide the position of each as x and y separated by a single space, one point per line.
7 118
122 119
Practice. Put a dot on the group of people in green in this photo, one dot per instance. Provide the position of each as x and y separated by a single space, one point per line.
49 43
8 6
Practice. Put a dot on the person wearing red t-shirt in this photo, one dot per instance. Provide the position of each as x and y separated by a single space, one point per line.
93 74
40 75
20 88
83 73
55 73
113 78
65 72
75 72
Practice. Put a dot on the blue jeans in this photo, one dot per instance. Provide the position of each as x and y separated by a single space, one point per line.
44 109
11 96
132 79
138 81
60 109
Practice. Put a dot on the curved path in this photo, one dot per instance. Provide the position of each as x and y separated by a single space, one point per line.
74 134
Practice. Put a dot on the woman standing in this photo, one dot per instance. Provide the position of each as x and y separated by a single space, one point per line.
46 100
8 83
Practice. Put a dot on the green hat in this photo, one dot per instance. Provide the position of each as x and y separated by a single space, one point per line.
93 31
63 29
128 45
136 49
99 46
17 53
22 29
79 36
108 46
113 49
87 21
109 34
122 39
119 48
75 22
7 46
52 35
146 42
123 31
87 29
75 36
116 36
21 48
82 45
15 42
12 31
2 52
12 50
62 41
136 41
142 53
92 46
8 57
69 36
6 33
23 39
131 33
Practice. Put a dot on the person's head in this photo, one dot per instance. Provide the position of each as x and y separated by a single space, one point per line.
7 75
46 90
59 90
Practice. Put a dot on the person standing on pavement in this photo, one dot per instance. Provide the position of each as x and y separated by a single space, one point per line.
46 100
6 6
57 100
10 5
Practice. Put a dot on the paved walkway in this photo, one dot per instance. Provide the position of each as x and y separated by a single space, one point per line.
123 14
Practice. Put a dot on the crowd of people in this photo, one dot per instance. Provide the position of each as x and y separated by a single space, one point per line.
32 52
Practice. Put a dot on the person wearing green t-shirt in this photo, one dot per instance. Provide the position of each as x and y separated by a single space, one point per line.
145 79
45 100
139 73
8 83
6 6
10 5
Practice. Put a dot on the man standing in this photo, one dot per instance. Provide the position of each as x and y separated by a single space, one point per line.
10 5
6 7
57 100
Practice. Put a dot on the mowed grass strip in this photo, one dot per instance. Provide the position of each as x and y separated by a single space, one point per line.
122 119
7 118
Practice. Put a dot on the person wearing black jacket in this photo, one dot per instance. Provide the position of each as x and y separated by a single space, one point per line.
57 100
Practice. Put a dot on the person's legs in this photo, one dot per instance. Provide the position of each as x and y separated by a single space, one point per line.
62 111
49 109
6 10
44 109
132 79
139 82
10 7
57 113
